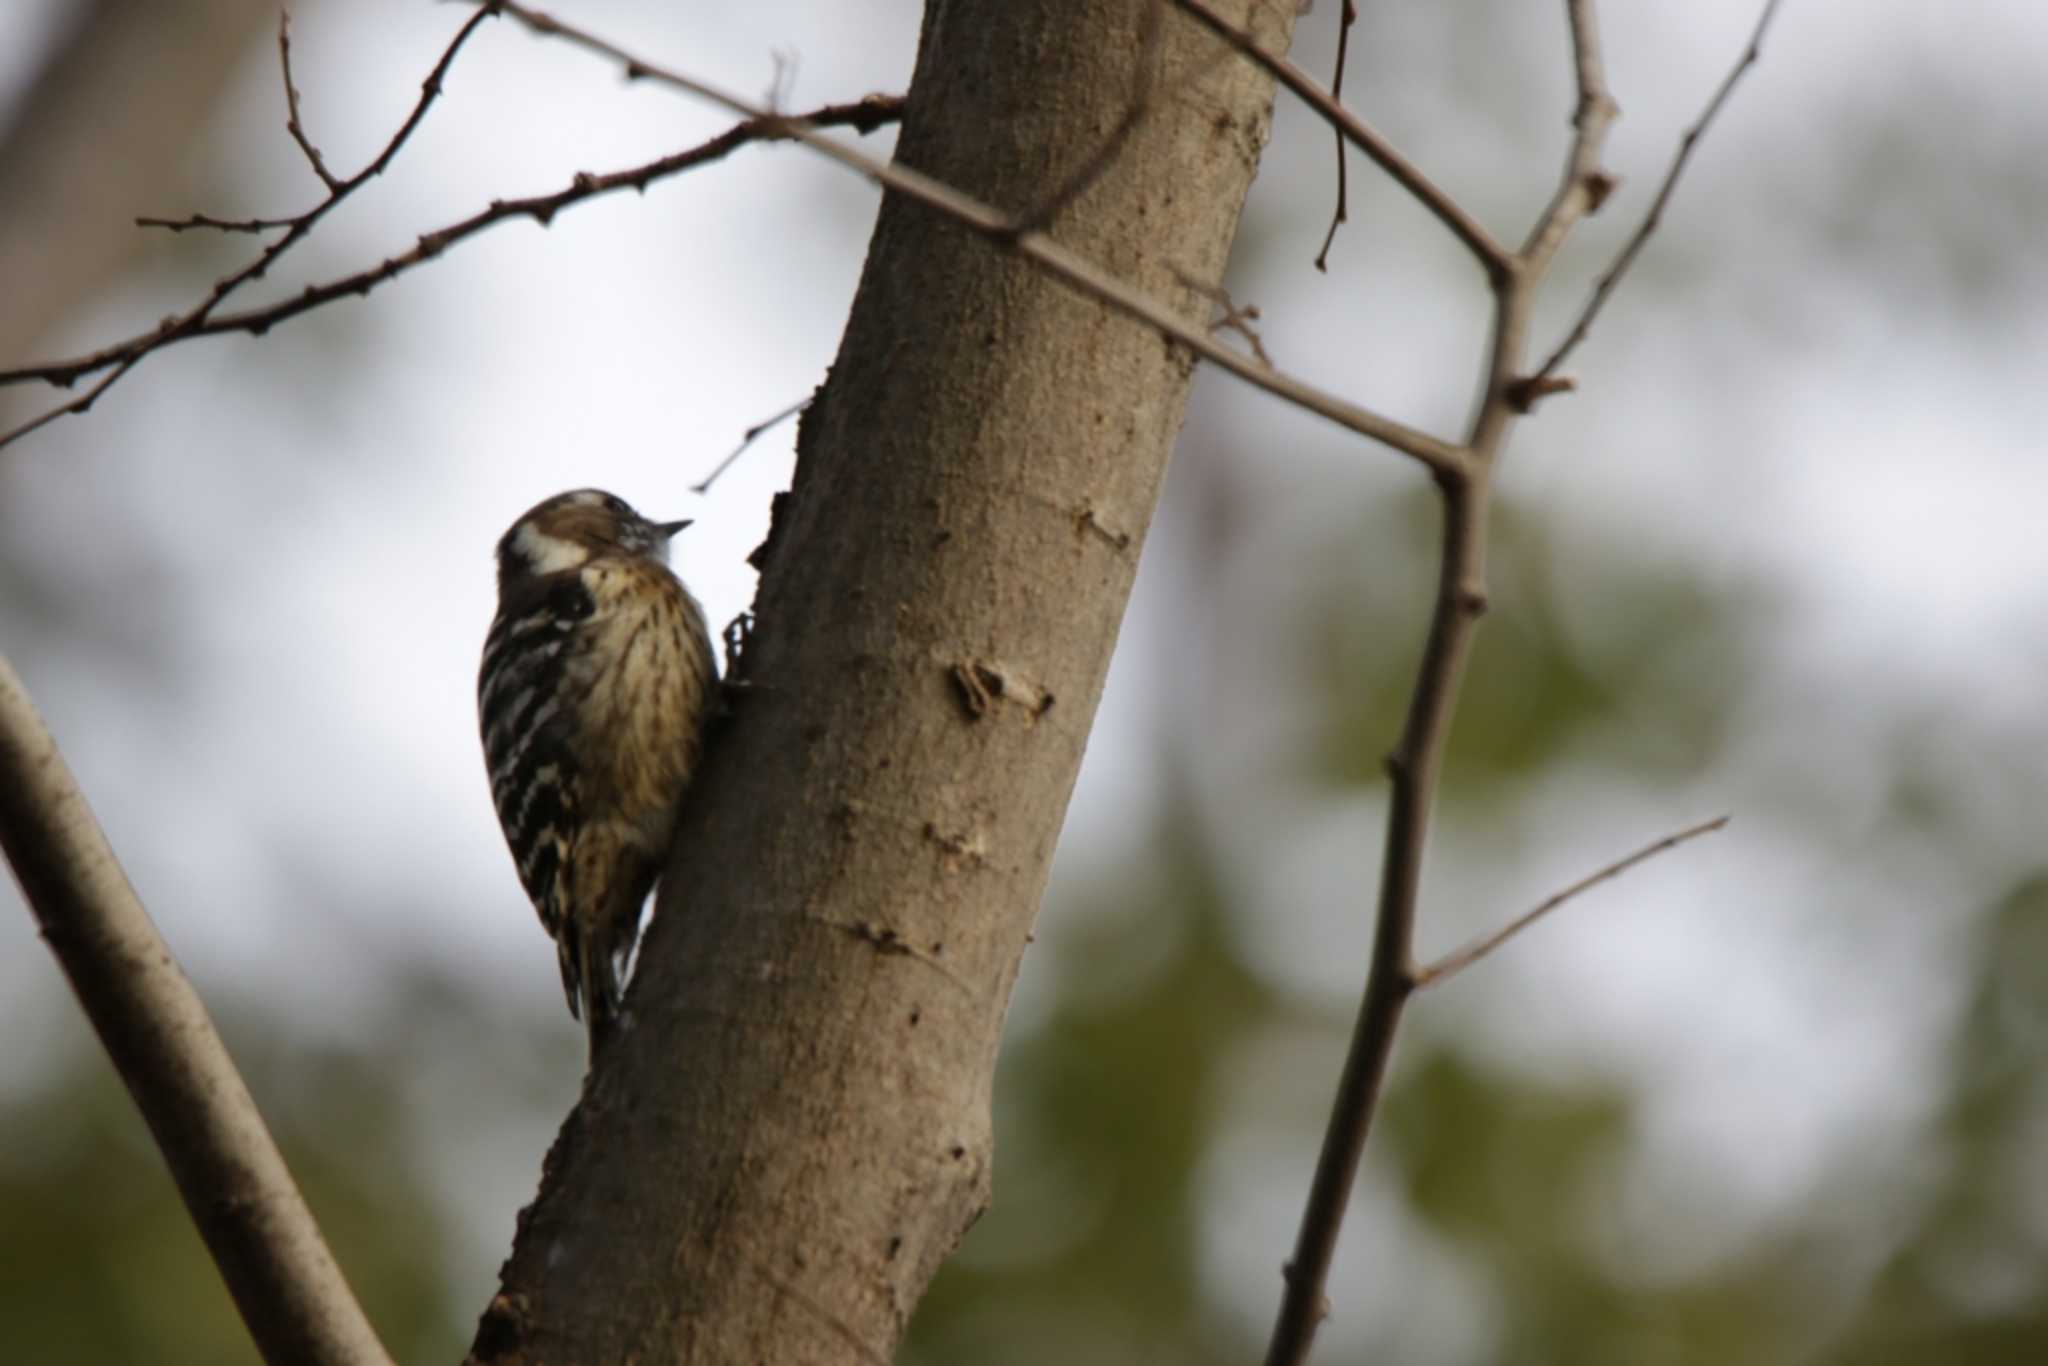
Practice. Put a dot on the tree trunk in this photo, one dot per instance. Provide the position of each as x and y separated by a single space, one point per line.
794 1131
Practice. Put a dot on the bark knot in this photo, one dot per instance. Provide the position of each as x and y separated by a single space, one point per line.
958 849
980 684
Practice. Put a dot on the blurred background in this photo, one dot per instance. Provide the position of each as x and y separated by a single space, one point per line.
1775 1098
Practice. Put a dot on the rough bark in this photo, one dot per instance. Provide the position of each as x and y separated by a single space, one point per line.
795 1132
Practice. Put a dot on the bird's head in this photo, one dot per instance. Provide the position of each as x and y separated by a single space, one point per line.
570 529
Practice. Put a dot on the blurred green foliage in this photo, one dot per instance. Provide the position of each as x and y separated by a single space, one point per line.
1118 1094
100 1264
1090 1254
1654 690
1970 1285
1109 1111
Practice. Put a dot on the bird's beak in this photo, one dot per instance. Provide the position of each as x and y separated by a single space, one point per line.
669 529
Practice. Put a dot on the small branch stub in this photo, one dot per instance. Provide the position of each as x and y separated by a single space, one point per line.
1525 393
980 684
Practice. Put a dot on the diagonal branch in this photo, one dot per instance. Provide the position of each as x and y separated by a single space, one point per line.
1493 257
1434 974
1416 763
119 359
1077 272
864 115
1584 186
747 439
1545 379
270 1252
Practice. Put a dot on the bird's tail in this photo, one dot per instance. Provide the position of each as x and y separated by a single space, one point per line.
600 992
590 979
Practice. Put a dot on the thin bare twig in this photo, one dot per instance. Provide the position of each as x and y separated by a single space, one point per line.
1584 186
292 123
1545 380
1434 974
119 359
1074 270
1347 17
1231 318
1227 315
195 221
864 115
1416 763
1493 257
748 438
1463 472
234 1182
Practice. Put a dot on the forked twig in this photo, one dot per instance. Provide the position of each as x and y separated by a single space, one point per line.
864 115
1462 470
1227 315
1416 763
1546 379
748 438
119 359
1061 263
1434 974
1492 256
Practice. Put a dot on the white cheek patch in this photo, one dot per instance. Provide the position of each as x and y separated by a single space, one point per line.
547 554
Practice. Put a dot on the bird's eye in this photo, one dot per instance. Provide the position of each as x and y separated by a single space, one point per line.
616 505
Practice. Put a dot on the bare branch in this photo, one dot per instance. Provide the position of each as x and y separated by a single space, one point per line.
1458 960
234 1182
1546 376
1227 315
1493 257
119 359
1082 275
1416 763
1584 186
82 403
1347 17
865 115
1413 767
1463 471
291 105
1077 272
205 220
748 438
